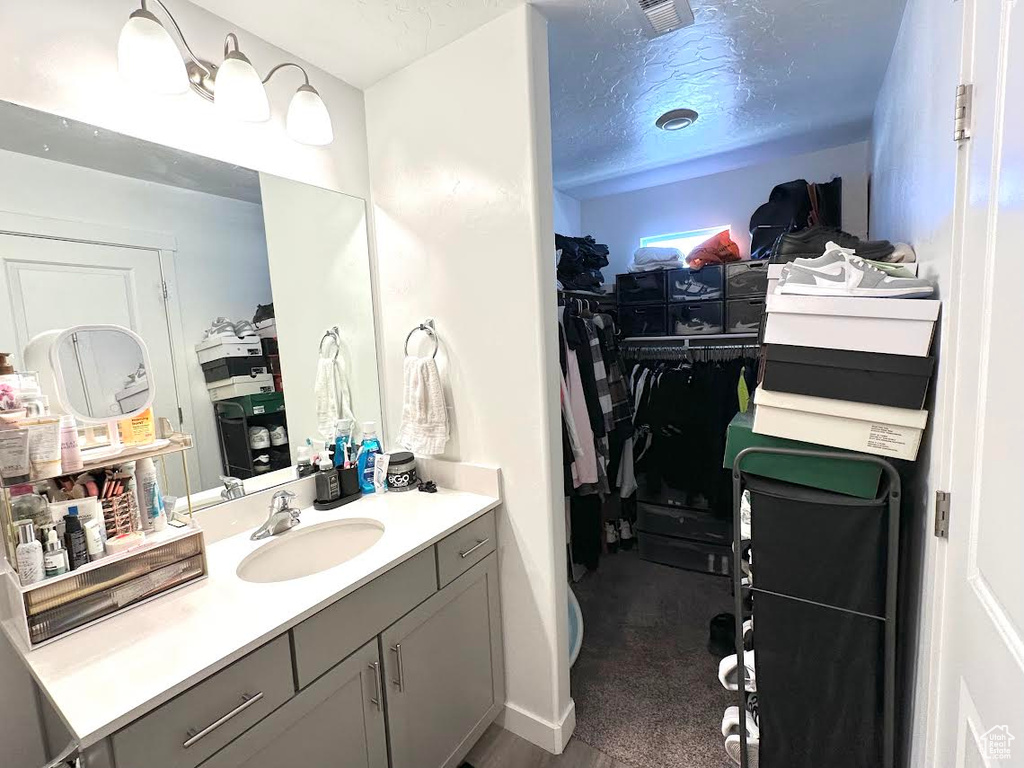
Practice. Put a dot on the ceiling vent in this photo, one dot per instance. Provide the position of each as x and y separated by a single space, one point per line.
664 16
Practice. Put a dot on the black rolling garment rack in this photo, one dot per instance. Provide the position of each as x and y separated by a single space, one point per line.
801 684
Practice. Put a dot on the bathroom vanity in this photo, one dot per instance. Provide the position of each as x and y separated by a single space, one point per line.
303 654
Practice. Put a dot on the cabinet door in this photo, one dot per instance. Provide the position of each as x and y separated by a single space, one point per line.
445 671
337 722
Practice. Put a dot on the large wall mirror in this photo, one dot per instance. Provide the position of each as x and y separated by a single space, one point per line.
246 288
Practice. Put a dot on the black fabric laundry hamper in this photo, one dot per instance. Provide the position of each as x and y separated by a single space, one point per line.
897 381
819 564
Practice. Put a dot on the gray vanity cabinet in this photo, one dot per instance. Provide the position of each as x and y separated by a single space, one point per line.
336 721
445 671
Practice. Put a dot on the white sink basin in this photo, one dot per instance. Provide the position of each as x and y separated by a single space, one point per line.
305 551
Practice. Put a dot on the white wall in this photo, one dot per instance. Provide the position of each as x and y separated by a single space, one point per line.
329 230
567 215
60 57
728 198
220 262
464 226
912 199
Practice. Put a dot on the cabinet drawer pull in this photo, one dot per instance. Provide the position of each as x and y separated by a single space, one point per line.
474 548
375 699
247 701
400 682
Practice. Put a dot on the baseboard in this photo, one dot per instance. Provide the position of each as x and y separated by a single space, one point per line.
549 736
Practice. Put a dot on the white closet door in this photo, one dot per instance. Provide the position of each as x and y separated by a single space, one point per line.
47 283
979 717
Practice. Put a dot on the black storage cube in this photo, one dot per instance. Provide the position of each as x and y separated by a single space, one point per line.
226 367
270 346
745 279
820 546
743 315
700 524
702 284
898 381
820 678
682 553
640 287
641 320
695 318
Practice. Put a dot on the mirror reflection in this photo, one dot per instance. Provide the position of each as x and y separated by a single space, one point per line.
230 277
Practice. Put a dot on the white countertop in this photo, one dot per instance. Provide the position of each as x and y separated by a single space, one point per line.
104 677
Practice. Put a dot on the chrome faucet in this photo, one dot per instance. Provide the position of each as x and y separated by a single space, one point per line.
233 488
282 516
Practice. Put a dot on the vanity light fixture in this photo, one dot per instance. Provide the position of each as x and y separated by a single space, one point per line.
147 56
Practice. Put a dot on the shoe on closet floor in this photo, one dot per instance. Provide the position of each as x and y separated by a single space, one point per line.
626 539
611 537
722 635
733 744
811 242
728 673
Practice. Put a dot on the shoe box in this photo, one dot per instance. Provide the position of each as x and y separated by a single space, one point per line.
238 386
641 287
896 381
228 367
217 347
643 319
744 315
839 475
696 318
746 279
705 284
888 326
868 428
683 553
775 274
683 522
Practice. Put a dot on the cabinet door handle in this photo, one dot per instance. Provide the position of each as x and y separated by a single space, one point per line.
400 682
375 700
474 548
247 701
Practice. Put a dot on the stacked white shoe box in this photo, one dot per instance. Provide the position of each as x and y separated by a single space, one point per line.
860 324
233 365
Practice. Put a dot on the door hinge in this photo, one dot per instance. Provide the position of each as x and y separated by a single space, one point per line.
163 287
181 418
942 514
962 116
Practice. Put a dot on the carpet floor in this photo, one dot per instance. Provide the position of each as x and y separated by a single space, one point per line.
645 686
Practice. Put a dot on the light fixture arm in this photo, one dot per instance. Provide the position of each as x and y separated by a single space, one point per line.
174 23
274 71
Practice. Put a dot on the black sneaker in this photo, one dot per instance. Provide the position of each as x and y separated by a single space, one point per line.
722 635
810 243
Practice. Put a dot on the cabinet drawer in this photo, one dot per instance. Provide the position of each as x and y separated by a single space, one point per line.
188 729
323 640
465 548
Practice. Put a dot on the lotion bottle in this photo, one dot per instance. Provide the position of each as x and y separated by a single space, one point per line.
29 554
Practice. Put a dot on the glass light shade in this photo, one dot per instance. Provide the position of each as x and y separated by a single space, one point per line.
238 91
147 56
308 120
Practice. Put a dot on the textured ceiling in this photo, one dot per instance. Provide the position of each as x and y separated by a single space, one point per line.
760 72
359 41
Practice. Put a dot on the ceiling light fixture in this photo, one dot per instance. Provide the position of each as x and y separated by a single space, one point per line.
148 57
676 119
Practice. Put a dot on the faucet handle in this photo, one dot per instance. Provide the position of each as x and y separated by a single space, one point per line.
282 499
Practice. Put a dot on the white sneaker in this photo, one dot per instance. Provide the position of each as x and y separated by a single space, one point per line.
840 272
611 536
278 436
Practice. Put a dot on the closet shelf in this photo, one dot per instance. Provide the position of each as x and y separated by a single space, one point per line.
687 340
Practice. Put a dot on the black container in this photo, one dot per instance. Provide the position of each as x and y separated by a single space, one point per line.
743 315
745 279
820 546
349 479
683 553
226 367
696 318
898 381
699 524
270 346
328 486
640 287
642 320
703 284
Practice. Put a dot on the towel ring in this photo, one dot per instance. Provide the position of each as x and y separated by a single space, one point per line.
426 329
335 335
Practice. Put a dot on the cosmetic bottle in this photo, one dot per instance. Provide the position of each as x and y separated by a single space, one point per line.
94 540
29 554
368 452
328 488
70 451
151 503
74 540
54 562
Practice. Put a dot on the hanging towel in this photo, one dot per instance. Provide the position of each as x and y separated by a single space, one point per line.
331 390
424 414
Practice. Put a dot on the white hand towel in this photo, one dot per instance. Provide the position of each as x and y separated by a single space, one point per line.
331 393
424 414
